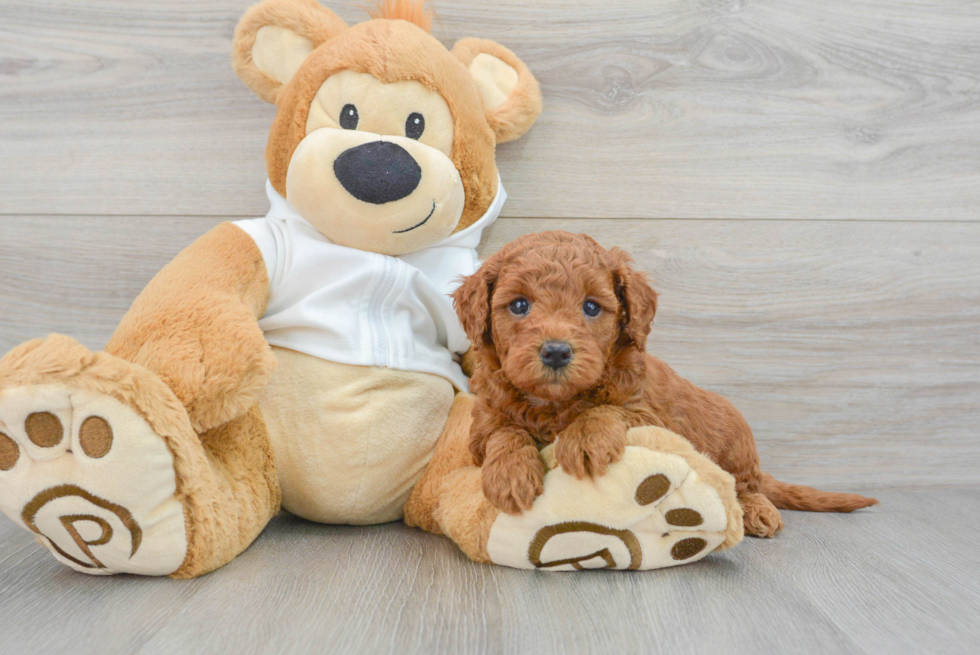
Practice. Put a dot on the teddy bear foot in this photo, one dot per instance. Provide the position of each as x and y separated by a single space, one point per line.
661 505
83 471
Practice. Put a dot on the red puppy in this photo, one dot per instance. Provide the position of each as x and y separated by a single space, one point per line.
559 327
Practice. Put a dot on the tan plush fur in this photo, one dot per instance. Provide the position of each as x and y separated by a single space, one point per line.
228 488
465 515
608 385
449 499
194 325
515 116
307 18
451 453
241 496
372 431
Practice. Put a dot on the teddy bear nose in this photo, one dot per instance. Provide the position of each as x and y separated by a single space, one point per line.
556 354
377 172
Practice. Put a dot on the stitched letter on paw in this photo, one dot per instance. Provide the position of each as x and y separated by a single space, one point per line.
89 477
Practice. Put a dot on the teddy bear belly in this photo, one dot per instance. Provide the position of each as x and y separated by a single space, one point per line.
349 441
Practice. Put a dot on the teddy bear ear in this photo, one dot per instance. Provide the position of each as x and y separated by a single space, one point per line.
273 39
511 96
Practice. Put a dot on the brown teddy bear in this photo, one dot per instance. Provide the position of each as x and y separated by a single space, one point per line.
308 360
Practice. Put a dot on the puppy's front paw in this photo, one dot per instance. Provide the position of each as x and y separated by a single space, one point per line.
512 481
587 448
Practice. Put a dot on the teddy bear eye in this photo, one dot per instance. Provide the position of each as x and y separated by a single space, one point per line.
591 308
349 117
519 306
415 125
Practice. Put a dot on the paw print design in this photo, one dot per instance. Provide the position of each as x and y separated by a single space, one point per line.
661 505
89 477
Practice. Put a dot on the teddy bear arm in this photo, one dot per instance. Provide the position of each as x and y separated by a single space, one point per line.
196 326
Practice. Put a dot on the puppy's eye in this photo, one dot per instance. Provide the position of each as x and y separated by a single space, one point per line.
591 308
349 117
519 306
414 126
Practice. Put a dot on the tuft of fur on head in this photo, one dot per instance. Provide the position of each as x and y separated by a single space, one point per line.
413 11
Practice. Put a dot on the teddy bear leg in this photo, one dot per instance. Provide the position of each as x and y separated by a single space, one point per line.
464 514
195 325
234 504
99 460
451 454
449 499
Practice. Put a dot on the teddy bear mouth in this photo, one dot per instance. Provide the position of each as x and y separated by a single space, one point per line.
424 221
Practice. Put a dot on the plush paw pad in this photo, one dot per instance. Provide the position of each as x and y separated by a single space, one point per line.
650 510
91 479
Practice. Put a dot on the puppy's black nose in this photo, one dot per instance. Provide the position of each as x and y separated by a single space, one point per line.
377 172
556 354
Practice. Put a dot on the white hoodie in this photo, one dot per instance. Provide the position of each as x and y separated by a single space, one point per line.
356 307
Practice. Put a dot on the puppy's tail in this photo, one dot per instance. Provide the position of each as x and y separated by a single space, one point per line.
796 496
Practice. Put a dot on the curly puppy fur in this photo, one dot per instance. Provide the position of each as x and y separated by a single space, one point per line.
534 292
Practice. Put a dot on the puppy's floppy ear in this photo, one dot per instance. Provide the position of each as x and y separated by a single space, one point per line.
472 302
637 299
511 95
273 39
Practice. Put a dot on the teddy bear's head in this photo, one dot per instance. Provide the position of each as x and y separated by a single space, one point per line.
384 140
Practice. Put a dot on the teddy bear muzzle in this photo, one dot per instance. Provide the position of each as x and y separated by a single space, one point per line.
375 192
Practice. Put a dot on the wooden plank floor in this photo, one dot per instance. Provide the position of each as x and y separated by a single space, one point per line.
899 578
802 181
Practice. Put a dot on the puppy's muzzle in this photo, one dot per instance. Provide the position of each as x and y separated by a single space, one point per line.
378 172
556 354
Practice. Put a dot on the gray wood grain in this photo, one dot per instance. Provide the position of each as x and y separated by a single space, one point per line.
840 109
853 348
899 578
908 545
